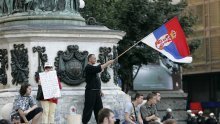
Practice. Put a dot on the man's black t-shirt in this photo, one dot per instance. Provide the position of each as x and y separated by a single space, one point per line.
92 79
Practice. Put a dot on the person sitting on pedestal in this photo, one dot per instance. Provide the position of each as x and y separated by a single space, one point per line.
132 110
148 111
25 108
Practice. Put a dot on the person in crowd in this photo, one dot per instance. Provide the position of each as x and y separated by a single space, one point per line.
189 112
212 119
170 121
25 107
169 115
4 121
106 116
49 105
157 93
200 118
148 111
93 92
132 110
193 119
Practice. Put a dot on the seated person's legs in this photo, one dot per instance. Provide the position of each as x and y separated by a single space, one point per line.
35 113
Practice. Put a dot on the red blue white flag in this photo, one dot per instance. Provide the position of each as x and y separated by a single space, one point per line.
170 40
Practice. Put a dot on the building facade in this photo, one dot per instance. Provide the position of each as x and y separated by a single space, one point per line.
202 79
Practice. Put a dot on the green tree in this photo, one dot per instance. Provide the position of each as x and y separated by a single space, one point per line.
137 18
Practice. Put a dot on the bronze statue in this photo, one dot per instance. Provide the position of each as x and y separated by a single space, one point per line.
30 5
18 6
8 7
72 5
4 7
46 5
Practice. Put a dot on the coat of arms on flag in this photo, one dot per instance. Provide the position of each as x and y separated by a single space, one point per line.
169 39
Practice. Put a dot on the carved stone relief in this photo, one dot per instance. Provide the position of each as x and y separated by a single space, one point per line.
19 64
104 56
3 66
116 65
70 65
42 58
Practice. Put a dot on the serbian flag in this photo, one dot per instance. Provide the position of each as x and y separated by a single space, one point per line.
169 39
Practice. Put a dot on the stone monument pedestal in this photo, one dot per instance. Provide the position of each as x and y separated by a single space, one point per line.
24 34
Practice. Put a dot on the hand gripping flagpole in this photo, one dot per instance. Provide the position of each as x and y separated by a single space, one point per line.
126 50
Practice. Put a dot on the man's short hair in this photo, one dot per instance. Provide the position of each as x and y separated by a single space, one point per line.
150 96
137 95
155 92
103 113
89 56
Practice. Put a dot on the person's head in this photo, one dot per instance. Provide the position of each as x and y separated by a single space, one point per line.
48 66
152 99
91 59
139 98
170 121
158 95
169 110
106 116
4 121
211 115
25 89
189 112
200 113
193 115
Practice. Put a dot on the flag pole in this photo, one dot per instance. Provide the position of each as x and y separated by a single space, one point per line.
126 50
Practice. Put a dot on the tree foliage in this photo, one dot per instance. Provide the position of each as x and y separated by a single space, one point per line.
137 18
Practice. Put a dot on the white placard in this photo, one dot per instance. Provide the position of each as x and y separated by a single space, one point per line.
49 83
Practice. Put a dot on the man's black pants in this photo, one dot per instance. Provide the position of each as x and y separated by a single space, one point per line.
93 101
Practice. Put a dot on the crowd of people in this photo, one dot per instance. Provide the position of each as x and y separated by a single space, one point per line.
137 112
26 109
200 118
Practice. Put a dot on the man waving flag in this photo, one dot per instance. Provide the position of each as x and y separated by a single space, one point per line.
170 40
